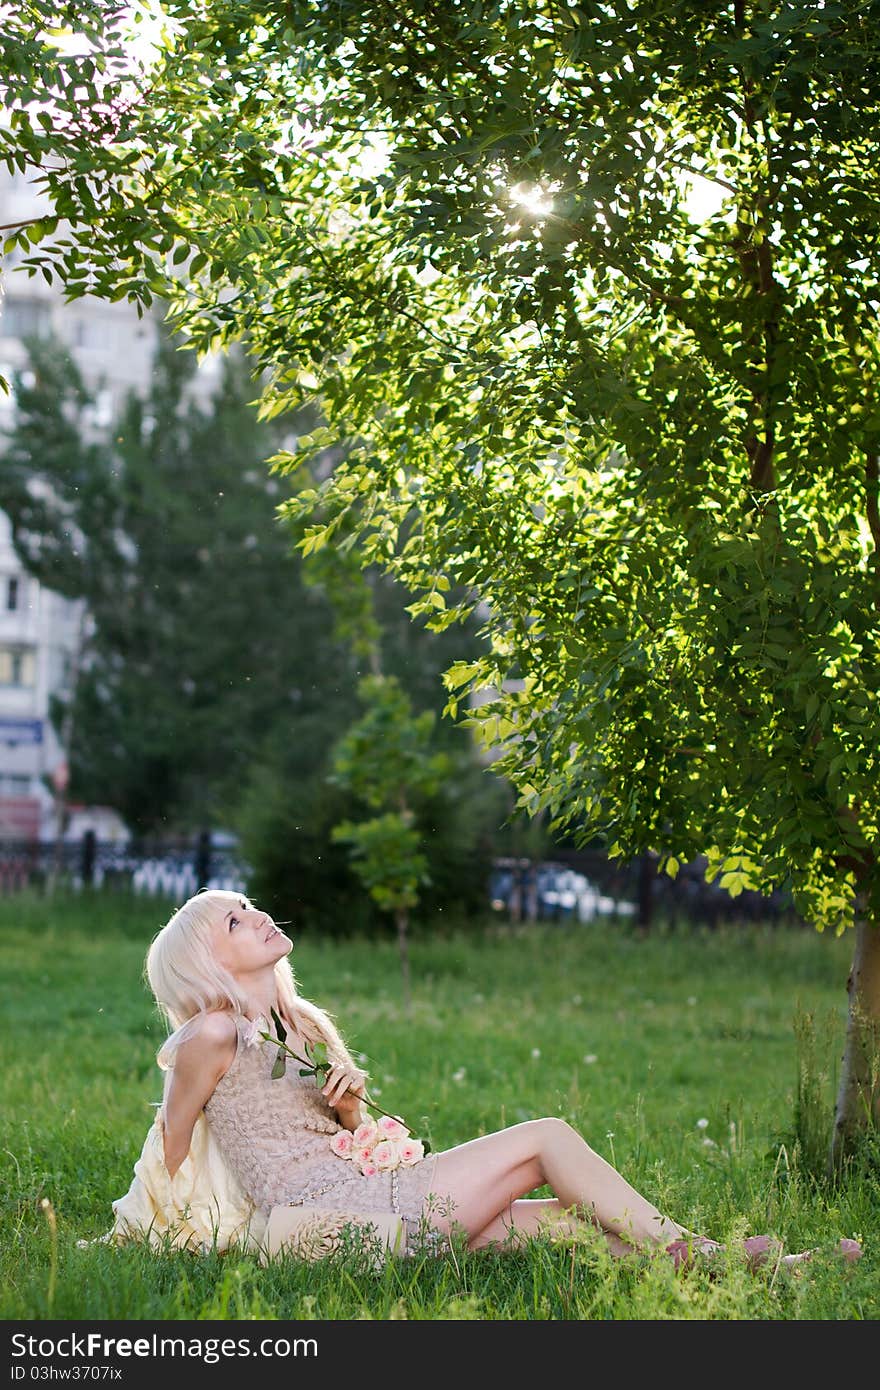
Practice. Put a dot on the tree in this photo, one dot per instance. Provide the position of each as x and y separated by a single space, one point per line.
647 440
75 124
202 635
215 677
295 800
387 762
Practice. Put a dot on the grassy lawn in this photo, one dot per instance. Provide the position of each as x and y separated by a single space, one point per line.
676 1057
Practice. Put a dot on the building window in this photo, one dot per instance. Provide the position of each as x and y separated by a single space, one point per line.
17 666
93 332
24 318
12 784
12 594
100 412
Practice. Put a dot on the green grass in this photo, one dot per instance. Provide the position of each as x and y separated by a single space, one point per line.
683 1028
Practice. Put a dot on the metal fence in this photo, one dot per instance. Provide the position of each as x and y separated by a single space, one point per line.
575 885
585 884
174 869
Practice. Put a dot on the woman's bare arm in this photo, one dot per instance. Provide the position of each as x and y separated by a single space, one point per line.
199 1064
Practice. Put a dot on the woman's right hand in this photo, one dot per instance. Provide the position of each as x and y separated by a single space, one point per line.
344 1088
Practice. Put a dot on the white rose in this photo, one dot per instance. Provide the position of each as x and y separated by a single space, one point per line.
385 1155
342 1144
410 1151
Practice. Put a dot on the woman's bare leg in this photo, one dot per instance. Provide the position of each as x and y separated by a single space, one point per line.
536 1216
480 1179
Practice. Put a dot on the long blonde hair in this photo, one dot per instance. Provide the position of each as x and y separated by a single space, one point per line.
188 981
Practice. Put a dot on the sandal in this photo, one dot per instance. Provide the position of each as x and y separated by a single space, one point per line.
849 1250
686 1253
758 1251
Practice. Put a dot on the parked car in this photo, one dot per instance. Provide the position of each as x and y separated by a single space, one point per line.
549 892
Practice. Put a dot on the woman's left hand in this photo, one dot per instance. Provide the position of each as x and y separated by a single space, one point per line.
344 1089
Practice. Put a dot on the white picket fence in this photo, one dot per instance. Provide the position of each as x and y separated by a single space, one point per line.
157 878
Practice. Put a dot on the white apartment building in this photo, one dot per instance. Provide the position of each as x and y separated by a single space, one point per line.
39 631
111 346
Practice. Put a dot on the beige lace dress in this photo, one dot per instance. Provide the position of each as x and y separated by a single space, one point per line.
275 1136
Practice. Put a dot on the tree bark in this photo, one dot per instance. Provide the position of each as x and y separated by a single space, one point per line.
858 1098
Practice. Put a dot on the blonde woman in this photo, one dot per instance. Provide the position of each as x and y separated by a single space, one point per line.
218 969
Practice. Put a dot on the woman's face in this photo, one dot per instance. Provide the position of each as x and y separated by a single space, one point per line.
245 939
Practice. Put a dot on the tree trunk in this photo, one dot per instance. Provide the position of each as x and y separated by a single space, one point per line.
858 1099
647 879
401 917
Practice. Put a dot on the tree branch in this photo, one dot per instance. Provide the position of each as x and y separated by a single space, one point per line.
872 487
701 173
756 260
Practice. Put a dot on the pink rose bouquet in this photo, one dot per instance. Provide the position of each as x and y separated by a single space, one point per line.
373 1152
